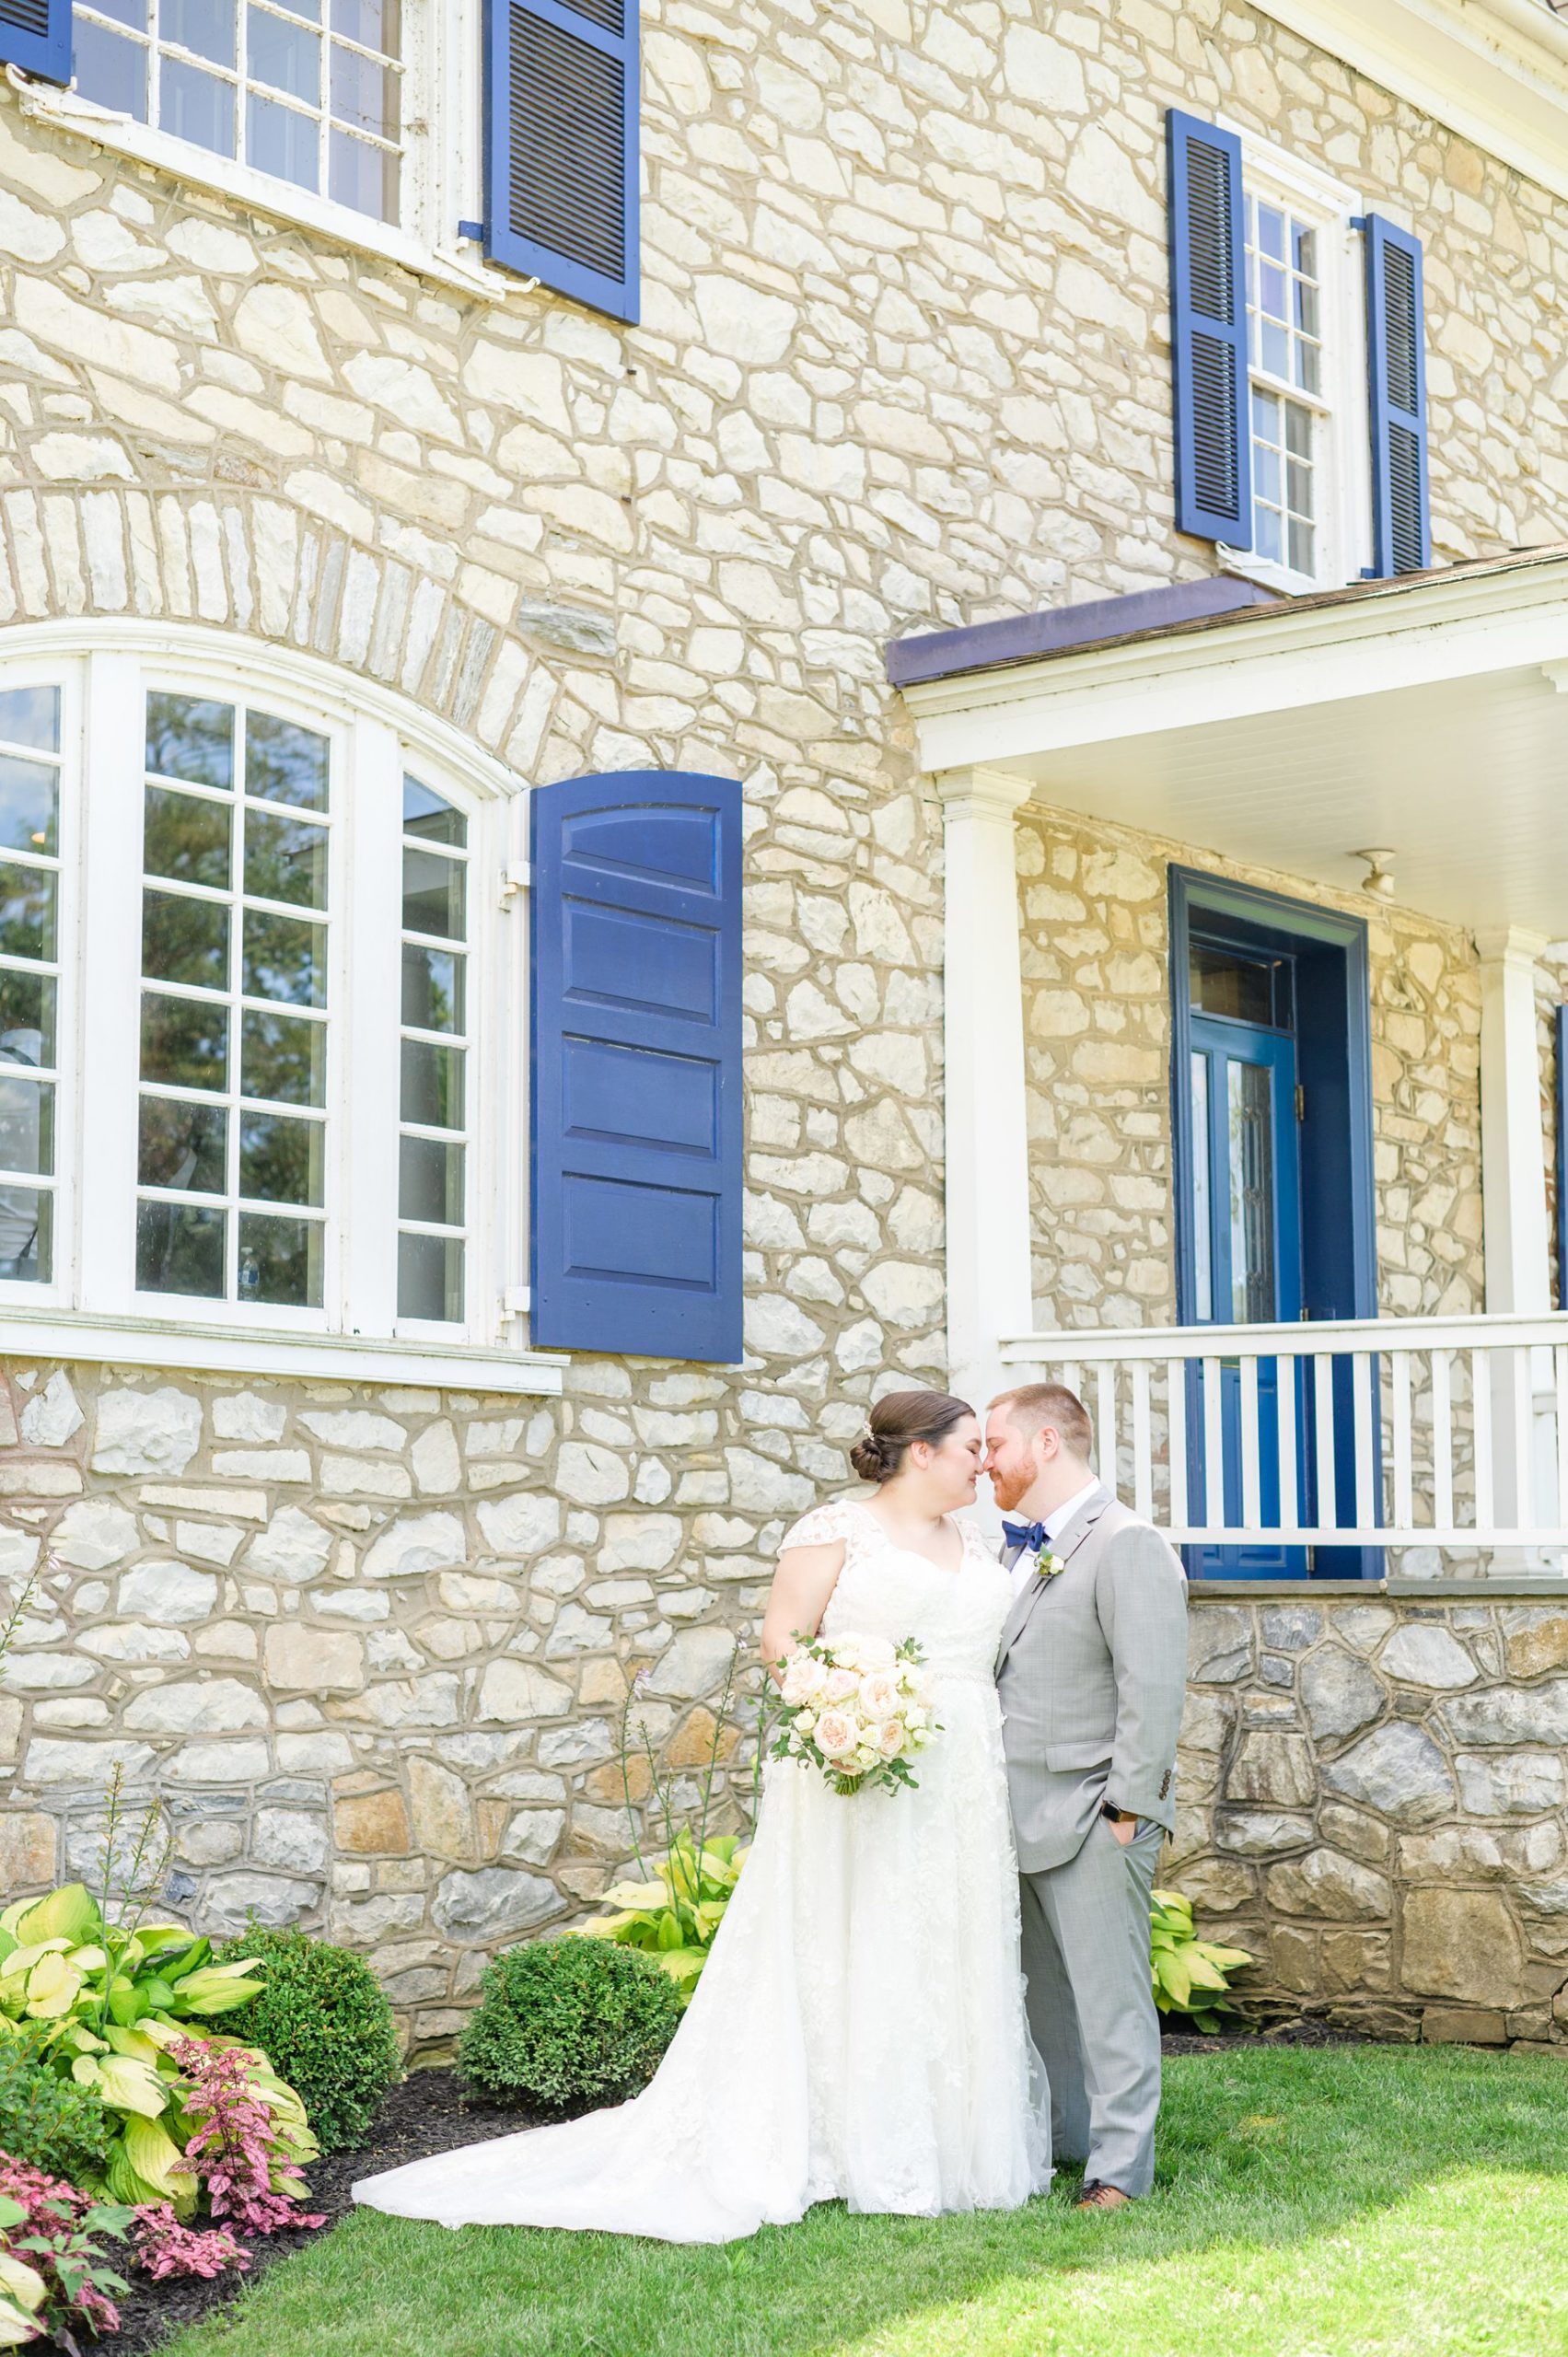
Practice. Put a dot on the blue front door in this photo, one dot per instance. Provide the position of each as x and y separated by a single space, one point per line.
1247 1235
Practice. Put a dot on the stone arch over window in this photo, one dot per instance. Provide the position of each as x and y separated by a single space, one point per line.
268 568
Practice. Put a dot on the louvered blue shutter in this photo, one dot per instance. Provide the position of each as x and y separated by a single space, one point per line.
1208 332
635 1024
35 35
561 145
1396 370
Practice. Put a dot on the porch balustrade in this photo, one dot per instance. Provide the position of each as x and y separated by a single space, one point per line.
1449 1433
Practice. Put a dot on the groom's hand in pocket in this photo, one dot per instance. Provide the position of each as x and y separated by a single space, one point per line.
1122 1826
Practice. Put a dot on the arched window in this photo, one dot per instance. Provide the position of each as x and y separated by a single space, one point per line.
258 1012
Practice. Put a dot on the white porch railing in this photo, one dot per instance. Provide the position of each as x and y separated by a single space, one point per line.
1396 1433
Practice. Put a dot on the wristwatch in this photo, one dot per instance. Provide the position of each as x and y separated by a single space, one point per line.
1118 1816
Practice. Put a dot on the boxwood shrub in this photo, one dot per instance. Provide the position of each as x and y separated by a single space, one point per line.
564 2026
47 2120
323 2023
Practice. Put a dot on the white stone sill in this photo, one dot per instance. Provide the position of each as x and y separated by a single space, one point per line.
1437 1591
64 110
234 1350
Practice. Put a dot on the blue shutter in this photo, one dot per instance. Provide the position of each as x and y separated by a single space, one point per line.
635 1029
561 146
1396 370
35 35
1208 332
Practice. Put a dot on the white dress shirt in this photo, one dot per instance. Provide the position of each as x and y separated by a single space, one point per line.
1022 1564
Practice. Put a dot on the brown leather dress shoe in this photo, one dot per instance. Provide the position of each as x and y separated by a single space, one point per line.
1104 2197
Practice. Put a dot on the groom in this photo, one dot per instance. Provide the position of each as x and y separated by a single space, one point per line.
1092 1674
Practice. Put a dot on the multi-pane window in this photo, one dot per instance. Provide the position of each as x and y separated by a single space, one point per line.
30 978
432 1173
242 1003
307 91
1285 344
232 1110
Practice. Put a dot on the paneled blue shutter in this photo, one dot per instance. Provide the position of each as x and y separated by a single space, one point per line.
35 35
1208 332
635 1027
1396 370
561 145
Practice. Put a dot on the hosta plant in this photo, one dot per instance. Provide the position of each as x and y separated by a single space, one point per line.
105 2004
673 1912
1190 1975
674 1916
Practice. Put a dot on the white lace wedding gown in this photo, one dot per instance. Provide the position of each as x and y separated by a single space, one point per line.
858 2033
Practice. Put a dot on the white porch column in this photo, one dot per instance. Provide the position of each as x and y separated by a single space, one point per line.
1514 1220
1513 1156
989 1289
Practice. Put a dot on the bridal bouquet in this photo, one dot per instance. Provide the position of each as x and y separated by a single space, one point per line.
857 1709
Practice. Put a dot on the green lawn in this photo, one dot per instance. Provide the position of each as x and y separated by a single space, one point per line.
1391 2201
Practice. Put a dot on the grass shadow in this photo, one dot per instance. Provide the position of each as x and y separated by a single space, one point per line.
1361 2181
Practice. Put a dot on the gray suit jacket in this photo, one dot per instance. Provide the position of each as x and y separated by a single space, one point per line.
1092 1675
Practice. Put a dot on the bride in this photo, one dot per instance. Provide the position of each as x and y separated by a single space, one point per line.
858 2032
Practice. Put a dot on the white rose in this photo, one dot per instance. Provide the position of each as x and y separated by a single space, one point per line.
890 1738
866 1757
837 1734
805 1722
840 1685
879 1693
876 1652
915 1715
845 1651
797 1687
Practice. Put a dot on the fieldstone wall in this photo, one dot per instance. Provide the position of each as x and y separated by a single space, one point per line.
1372 1796
1094 909
372 1649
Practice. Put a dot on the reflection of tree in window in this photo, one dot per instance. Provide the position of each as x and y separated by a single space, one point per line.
30 978
231 1157
432 1149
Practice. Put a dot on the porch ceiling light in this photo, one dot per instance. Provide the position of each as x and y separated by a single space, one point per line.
1378 879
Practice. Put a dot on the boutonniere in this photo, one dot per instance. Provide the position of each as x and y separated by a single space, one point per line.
1047 1565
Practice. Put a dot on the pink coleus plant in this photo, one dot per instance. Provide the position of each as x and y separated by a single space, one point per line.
165 2248
233 2150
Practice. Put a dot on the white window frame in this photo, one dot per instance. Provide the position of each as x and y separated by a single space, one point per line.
1341 485
91 1307
442 175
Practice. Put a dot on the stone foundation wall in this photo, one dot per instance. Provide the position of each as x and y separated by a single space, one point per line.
372 1647
1371 1799
1094 911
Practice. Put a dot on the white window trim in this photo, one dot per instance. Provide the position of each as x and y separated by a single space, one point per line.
441 147
90 1309
1342 468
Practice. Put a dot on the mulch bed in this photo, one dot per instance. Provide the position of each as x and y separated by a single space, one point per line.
424 2115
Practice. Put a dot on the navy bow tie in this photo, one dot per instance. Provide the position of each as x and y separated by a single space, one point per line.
1024 1534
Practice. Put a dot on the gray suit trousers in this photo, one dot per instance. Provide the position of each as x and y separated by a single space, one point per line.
1091 2002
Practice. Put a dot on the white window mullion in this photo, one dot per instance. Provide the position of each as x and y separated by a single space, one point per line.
368 983
104 1132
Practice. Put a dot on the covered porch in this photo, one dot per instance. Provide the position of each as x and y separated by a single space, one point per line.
1266 1407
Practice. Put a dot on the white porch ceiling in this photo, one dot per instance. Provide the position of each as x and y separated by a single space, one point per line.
1467 782
1429 717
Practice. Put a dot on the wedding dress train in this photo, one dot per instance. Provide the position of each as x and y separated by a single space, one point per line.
858 2033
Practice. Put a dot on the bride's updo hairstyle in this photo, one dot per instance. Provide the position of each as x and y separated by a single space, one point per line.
898 1418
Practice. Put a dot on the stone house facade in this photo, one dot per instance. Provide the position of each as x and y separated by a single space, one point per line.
331 1547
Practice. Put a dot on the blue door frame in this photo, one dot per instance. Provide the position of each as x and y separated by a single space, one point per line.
1226 1049
1333 1056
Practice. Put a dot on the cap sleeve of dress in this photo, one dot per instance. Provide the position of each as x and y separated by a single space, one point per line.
822 1525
